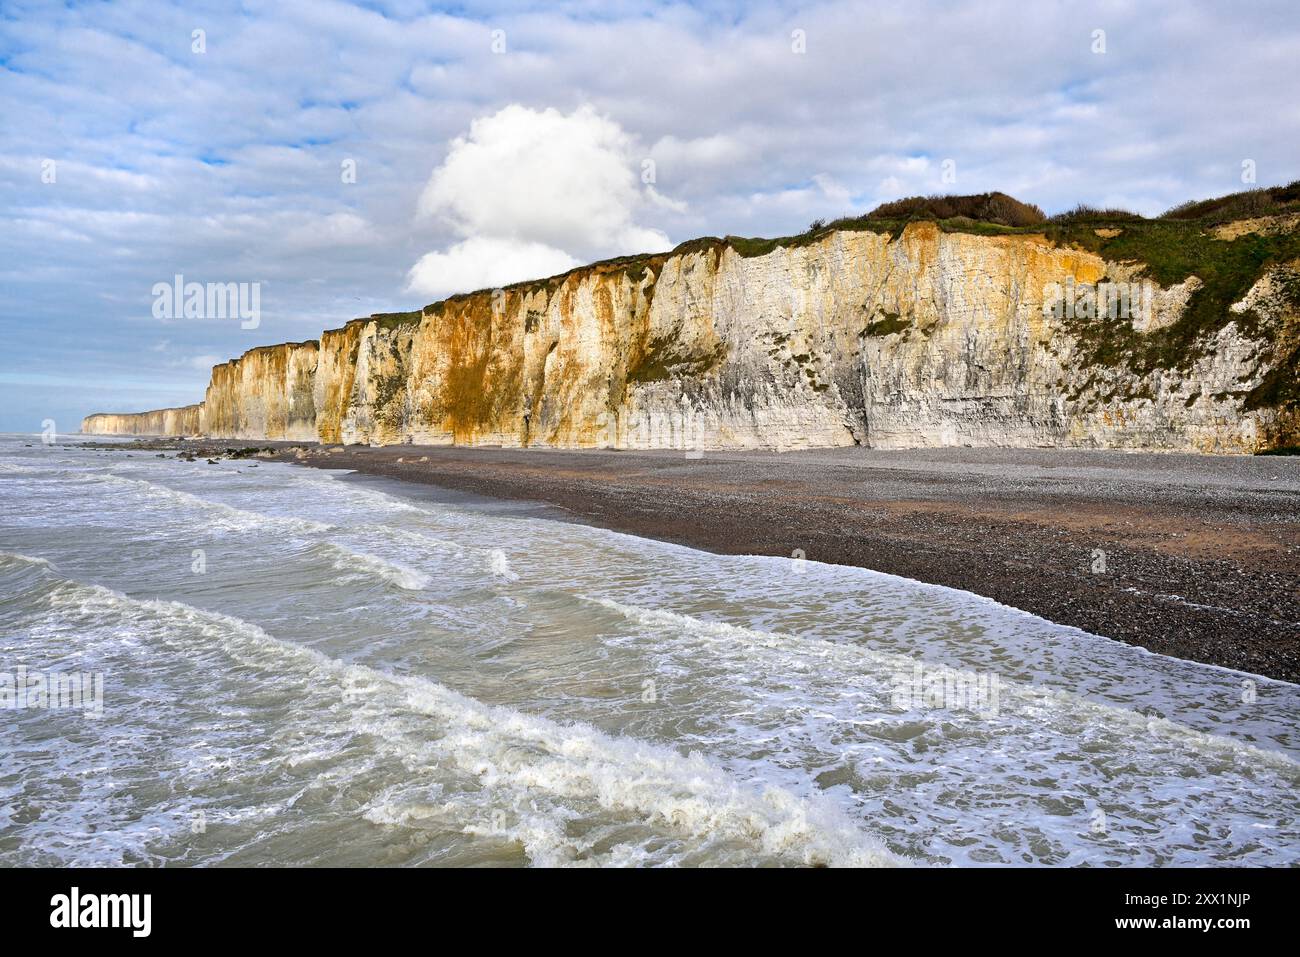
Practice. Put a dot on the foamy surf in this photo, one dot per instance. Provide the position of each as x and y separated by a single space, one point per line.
499 565
494 561
362 563
14 558
518 760
354 679
1040 704
220 514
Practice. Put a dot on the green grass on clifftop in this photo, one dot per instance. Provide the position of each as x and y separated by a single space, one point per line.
1173 251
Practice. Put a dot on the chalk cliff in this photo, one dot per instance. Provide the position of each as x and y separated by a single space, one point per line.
904 335
186 420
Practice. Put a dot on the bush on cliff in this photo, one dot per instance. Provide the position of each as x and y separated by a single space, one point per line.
1091 214
997 208
1247 204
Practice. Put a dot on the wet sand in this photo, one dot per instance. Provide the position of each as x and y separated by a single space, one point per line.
1192 556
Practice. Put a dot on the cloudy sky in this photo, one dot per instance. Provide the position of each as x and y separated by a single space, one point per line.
354 158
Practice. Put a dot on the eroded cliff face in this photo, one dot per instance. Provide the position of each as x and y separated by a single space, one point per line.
267 393
925 338
185 420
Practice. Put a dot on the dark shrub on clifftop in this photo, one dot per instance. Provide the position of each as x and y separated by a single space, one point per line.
1243 205
1090 214
998 208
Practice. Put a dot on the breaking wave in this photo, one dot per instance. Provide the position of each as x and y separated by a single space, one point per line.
527 772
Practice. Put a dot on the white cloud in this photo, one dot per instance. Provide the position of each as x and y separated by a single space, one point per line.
832 189
485 262
715 150
535 192
336 229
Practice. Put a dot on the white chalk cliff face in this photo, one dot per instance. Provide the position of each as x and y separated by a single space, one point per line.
927 338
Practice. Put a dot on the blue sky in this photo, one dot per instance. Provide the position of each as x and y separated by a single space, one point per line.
491 142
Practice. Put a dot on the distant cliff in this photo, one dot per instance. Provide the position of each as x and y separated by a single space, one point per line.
887 334
187 420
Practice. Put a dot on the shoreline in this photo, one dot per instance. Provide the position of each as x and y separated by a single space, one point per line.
1196 557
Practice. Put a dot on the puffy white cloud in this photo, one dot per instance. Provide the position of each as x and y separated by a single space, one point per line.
485 262
535 192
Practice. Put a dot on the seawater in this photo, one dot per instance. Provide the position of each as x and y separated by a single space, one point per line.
303 667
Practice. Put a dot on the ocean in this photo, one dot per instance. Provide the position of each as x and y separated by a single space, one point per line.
285 666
